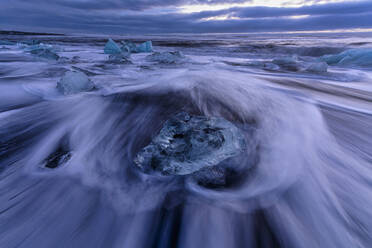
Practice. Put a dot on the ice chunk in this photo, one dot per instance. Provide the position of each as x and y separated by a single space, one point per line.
319 67
187 144
211 176
145 47
74 82
130 47
6 43
288 63
120 58
30 42
111 47
358 57
43 51
167 57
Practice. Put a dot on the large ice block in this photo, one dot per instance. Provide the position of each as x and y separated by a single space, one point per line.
128 46
111 47
358 57
187 144
74 82
145 47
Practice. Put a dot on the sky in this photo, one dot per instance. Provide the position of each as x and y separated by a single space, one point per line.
183 16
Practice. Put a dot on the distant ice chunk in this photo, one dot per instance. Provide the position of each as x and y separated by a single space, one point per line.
187 144
45 53
128 46
74 82
6 43
317 67
122 58
42 51
30 42
167 57
111 47
145 47
358 57
288 63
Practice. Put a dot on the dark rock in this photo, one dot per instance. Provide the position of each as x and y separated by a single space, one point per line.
57 158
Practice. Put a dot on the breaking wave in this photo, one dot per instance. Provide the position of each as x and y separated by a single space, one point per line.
298 186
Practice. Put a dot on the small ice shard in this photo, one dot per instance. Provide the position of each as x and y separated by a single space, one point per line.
111 47
358 57
145 47
288 63
6 43
121 58
187 144
319 67
74 82
167 57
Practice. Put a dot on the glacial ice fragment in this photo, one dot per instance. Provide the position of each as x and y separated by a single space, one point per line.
187 144
121 58
167 57
74 82
358 57
319 67
288 63
30 42
145 47
6 43
45 53
42 51
130 47
111 47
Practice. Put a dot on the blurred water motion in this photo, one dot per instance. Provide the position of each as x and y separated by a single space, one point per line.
67 176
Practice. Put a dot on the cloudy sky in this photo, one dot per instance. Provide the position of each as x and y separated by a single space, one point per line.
184 16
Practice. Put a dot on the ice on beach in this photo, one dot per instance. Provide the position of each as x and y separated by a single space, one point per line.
317 67
6 43
42 51
120 58
30 42
45 53
167 57
288 63
145 47
111 47
130 47
187 144
358 57
74 82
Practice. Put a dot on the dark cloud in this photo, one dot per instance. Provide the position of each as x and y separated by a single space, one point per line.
53 15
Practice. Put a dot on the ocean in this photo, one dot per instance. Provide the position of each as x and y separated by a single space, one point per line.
303 102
